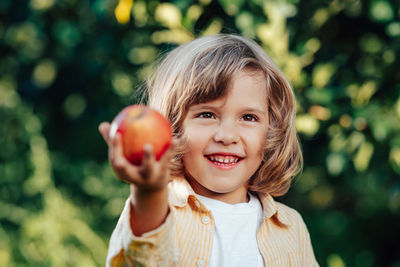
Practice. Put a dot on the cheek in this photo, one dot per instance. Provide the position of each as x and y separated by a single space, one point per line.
197 136
194 144
257 143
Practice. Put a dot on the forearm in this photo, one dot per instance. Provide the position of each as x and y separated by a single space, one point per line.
152 248
149 210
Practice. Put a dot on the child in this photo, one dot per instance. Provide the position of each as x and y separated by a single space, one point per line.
209 200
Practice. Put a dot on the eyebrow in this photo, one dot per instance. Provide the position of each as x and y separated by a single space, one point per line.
201 106
255 110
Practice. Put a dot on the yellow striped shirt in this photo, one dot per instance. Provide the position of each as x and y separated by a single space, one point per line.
185 238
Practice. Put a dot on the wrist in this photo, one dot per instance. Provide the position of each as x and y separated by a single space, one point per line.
146 192
146 200
149 209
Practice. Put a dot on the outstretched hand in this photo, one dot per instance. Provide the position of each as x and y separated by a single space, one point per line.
151 175
148 182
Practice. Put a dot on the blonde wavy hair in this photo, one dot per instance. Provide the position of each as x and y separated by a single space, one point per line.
199 71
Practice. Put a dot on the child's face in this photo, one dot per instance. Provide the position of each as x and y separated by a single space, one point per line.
226 137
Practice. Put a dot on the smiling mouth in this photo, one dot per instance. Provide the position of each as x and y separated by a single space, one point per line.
223 160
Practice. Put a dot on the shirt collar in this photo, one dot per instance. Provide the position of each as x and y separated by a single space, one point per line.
181 193
271 209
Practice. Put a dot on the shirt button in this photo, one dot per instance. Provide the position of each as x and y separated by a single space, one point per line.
197 203
200 263
205 220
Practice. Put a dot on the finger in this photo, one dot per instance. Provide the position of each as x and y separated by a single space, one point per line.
130 173
123 168
148 161
104 129
117 147
117 158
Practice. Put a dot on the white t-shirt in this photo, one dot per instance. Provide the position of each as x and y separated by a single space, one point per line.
235 241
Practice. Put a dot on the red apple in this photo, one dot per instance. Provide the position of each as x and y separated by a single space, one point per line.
139 125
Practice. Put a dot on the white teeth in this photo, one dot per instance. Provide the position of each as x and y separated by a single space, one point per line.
224 159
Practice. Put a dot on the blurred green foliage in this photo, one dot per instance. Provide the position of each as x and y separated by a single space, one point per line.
67 65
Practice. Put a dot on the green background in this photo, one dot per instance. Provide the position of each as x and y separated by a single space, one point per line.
67 65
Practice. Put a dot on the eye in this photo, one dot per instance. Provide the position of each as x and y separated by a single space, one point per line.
206 115
249 117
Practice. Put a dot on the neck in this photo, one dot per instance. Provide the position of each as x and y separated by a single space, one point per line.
239 195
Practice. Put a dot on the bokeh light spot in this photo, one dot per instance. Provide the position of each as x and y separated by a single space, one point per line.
27 39
245 21
44 73
321 196
322 74
320 112
114 206
174 36
335 163
140 13
380 129
394 199
389 56
8 95
214 27
93 185
74 105
397 107
334 130
168 15
371 43
145 72
338 142
320 17
360 123
40 159
140 55
355 140
122 83
361 95
316 95
33 124
393 29
363 156
353 8
334 260
5 256
122 11
313 45
308 179
194 12
307 124
41 5
345 121
381 11
394 157
205 2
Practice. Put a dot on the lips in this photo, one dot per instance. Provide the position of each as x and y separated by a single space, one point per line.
223 160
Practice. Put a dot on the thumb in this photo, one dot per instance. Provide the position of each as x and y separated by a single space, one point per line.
104 129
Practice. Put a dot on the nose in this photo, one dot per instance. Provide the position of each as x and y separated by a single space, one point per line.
226 133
